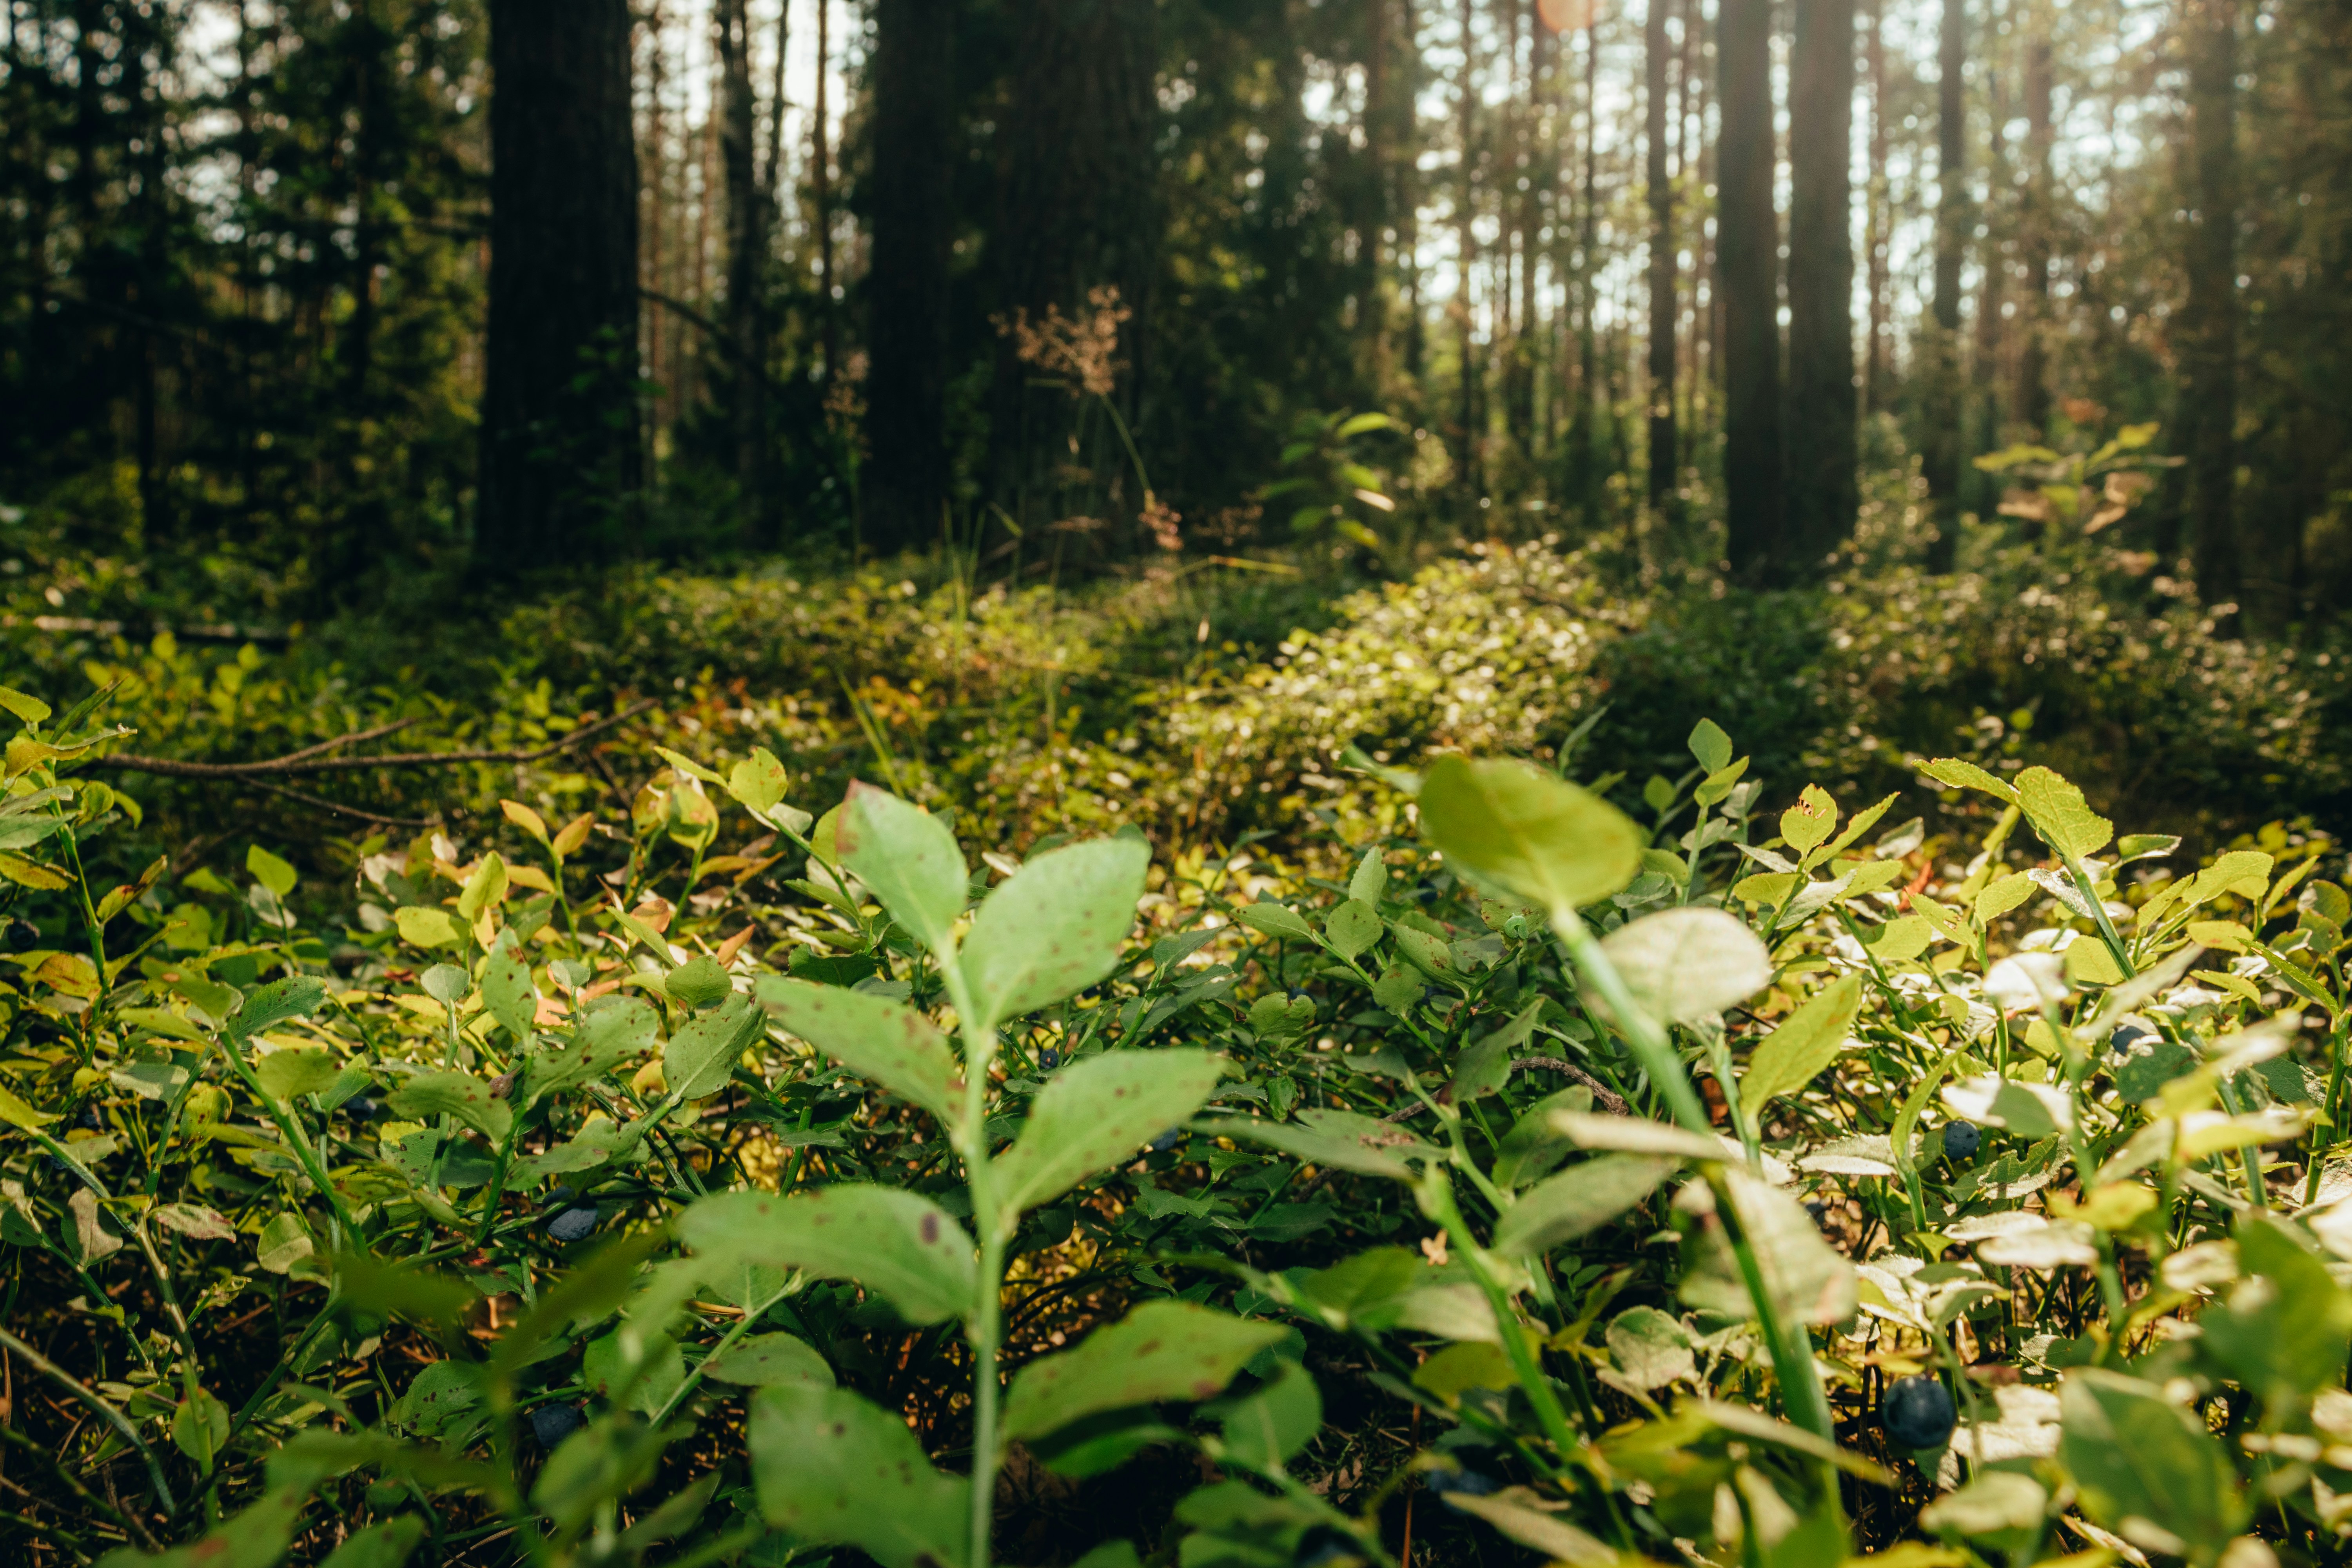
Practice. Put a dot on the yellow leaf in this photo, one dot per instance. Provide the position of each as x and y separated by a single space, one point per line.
32 874
18 1113
422 927
485 889
573 834
2002 895
524 817
1811 821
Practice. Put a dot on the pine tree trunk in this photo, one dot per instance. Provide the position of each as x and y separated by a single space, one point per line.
2030 407
1079 209
747 247
561 460
1822 404
1473 373
1878 378
1940 440
1748 264
906 482
2210 349
1663 305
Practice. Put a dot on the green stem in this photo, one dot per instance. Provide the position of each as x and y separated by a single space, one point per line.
1436 1193
985 1333
693 1378
101 1409
291 1130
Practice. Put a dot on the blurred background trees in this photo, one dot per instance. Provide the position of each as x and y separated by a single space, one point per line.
347 288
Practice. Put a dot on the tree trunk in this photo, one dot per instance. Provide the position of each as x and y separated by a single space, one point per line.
747 249
1662 303
1467 239
1747 263
1078 205
2209 347
2031 407
1821 406
1940 441
1878 380
559 448
907 284
1999 218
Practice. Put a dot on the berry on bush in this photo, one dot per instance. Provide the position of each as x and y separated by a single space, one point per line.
23 934
1048 1059
2125 1036
574 1224
1917 1413
1469 1483
1168 1139
550 1424
1961 1140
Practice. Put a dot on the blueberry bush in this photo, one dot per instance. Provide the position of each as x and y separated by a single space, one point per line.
723 1172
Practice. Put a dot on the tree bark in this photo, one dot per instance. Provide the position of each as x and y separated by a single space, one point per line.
1878 379
1078 204
907 284
1663 305
1748 262
746 250
559 432
1822 451
2030 407
1467 239
1940 441
2209 347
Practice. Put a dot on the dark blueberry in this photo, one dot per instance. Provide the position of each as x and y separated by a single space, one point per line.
1469 1483
574 1224
23 934
1917 1413
1048 1059
1168 1139
1961 1140
2125 1036
1426 895
55 1164
90 1118
1326 1545
561 1192
360 1108
1819 1210
550 1424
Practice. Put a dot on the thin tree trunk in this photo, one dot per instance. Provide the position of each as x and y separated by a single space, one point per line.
1878 379
2030 407
561 456
821 170
1664 304
747 245
1998 218
1472 372
1591 405
907 287
1940 442
1747 247
2210 342
1822 404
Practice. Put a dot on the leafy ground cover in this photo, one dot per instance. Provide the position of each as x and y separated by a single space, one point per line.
738 1171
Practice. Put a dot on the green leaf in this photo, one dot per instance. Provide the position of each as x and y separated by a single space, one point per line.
1352 929
16 1113
269 871
898 1243
31 710
255 1537
1580 1199
697 983
1650 1347
831 1468
876 1037
508 992
1096 1114
1269 1426
421 926
634 1369
386 1545
1342 1139
1278 921
409 1291
1684 964
1534 835
765 1359
1954 773
1535 1145
285 1074
1370 882
2147 1468
1710 745
910 860
1809 822
1807 1041
1162 1350
2284 1335
1810 1282
1053 929
267 1006
701 1055
757 781
457 1094
1359 424
1524 1517
605 1460
609 1031
2061 815
283 1243
199 1427
485 889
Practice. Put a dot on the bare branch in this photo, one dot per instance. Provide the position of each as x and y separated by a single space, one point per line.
308 760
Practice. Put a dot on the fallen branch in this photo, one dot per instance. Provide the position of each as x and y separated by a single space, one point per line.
310 761
320 803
